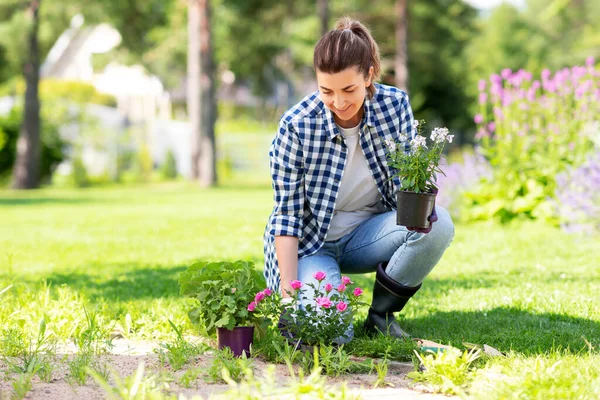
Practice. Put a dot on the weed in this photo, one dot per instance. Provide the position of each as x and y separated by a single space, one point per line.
22 385
189 377
224 359
446 371
177 354
26 356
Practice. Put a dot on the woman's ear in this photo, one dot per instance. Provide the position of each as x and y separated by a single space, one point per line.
369 79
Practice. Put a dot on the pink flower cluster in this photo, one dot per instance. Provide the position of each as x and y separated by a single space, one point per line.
325 301
520 91
258 298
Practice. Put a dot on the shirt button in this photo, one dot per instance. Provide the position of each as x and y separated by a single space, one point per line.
329 210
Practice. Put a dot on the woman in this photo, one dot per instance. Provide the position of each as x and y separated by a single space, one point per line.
334 201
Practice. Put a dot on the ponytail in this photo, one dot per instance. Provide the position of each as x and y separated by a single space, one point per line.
349 44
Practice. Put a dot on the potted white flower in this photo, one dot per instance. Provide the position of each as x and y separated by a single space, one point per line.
416 164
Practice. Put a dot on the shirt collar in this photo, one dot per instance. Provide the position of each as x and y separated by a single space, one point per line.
368 117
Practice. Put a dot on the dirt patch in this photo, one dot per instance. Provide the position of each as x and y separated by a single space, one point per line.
126 356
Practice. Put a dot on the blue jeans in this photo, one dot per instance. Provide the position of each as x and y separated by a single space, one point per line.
410 255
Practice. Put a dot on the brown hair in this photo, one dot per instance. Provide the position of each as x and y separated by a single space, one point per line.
349 44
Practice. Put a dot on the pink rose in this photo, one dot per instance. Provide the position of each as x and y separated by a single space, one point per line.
357 292
320 275
259 296
267 292
346 280
323 302
341 288
341 306
328 288
296 284
252 306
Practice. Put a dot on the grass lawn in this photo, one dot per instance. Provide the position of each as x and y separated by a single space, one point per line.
526 289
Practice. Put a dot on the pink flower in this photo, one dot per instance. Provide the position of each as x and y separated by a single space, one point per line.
589 62
296 284
341 306
320 275
252 306
328 287
267 292
341 288
323 302
491 126
478 118
357 292
482 98
259 296
481 85
346 280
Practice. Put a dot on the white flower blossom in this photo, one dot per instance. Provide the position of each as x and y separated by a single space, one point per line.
415 124
449 138
402 137
391 144
418 141
438 135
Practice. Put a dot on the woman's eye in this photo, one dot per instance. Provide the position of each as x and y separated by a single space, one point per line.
349 91
327 93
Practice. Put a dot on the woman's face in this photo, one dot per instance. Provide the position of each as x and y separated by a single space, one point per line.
344 94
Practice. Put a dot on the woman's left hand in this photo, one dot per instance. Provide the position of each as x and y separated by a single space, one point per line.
432 218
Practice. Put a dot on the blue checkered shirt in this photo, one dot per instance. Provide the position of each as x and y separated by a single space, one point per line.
307 159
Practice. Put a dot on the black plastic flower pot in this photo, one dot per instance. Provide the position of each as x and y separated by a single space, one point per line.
237 339
414 208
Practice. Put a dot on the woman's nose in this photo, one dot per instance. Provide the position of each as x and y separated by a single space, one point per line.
339 102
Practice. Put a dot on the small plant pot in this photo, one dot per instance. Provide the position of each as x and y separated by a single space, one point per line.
414 208
237 339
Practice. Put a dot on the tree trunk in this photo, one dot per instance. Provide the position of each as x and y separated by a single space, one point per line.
208 170
323 11
193 84
26 171
401 61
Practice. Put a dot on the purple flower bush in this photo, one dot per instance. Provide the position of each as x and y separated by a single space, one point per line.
325 317
530 130
459 178
578 197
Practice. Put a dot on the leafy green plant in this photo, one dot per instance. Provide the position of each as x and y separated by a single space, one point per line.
446 371
177 354
223 291
415 164
224 359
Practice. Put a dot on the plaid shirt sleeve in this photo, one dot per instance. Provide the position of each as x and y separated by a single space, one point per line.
287 173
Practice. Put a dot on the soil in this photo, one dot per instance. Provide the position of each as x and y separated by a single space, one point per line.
126 356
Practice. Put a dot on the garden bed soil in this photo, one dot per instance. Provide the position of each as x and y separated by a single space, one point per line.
126 356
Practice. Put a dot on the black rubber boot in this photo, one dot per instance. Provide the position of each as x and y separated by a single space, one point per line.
389 296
